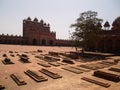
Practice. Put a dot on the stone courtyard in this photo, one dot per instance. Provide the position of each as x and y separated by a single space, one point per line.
54 68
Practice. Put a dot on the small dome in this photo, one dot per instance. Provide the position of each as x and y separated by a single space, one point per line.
29 18
106 24
48 25
116 22
41 21
35 19
45 24
99 25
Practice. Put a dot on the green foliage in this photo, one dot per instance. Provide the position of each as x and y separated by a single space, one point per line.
86 29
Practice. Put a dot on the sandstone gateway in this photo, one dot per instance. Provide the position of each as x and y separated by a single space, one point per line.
35 33
38 33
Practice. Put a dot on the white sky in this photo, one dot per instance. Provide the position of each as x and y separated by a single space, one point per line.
58 13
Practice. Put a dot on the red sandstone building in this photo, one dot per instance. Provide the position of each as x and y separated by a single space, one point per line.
38 33
109 40
34 33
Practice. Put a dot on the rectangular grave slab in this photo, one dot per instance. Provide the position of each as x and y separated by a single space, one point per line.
108 63
12 55
61 63
105 63
100 66
54 63
50 73
115 69
80 68
39 50
50 58
96 82
44 64
7 61
116 60
10 51
68 68
40 57
68 61
107 76
89 67
35 76
54 53
18 81
24 60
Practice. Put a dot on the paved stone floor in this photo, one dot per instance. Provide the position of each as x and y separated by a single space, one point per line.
69 80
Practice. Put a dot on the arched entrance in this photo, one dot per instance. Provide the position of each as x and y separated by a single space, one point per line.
51 42
43 42
34 42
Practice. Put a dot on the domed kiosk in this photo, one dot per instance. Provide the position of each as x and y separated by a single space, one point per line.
116 24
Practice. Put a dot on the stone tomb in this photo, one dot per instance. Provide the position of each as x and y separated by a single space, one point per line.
24 58
35 76
106 75
7 61
18 80
96 82
74 70
45 64
54 64
68 61
50 73
114 69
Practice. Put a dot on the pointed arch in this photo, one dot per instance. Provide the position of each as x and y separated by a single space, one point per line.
51 42
34 41
43 42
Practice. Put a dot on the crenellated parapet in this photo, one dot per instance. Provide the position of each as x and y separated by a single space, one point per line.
63 39
10 36
35 21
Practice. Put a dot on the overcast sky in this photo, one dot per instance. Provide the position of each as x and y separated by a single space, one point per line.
58 13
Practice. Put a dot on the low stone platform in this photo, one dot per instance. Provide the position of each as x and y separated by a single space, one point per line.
44 64
50 73
18 80
7 61
35 76
108 76
96 82
74 70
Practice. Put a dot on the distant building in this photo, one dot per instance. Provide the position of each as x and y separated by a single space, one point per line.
109 40
34 33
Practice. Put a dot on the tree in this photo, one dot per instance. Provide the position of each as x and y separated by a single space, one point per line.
86 28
